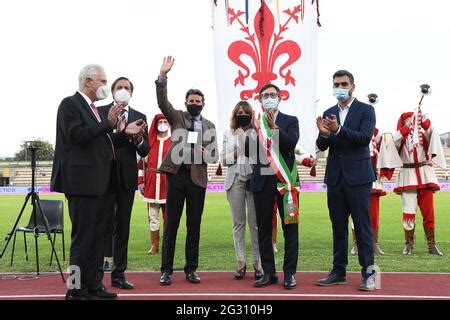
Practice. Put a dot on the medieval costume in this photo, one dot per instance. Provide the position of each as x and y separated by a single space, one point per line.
153 181
377 192
418 146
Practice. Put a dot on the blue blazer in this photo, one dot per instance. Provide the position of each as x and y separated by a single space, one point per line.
289 133
349 153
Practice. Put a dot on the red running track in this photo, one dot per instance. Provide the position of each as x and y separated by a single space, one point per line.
222 286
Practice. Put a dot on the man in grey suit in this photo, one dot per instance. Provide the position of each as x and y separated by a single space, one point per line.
194 145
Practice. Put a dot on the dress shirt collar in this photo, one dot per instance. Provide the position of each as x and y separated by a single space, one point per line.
89 102
346 106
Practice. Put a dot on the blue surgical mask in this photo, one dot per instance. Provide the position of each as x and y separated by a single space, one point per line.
270 103
341 94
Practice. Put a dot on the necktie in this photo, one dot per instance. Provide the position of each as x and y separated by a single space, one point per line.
99 119
124 115
95 111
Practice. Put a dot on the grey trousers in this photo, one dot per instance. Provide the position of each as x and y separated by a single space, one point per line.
238 197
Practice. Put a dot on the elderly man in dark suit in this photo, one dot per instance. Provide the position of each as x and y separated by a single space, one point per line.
118 228
346 130
84 170
194 145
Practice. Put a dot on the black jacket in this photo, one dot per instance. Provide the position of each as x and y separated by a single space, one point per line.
126 155
83 151
287 136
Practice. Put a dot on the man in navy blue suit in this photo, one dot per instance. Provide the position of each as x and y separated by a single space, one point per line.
346 129
263 183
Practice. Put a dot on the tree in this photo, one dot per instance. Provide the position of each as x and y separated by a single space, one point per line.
45 151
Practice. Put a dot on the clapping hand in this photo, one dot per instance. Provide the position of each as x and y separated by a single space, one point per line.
137 138
136 128
270 115
323 129
113 114
256 122
331 123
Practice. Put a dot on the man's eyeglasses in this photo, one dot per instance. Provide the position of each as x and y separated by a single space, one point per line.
273 95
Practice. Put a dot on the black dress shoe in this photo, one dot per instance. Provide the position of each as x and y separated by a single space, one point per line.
166 279
266 280
289 282
102 294
74 294
193 277
331 280
122 283
240 273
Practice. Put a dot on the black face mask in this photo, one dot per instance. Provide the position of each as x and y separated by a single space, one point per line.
194 109
243 120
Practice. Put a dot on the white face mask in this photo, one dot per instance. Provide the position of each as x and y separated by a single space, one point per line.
163 127
270 103
102 92
122 96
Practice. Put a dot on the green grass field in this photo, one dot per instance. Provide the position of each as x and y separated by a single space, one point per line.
216 244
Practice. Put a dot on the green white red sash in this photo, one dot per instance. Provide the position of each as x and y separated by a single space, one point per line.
288 185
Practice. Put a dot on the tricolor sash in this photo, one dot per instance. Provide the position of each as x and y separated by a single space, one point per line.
288 184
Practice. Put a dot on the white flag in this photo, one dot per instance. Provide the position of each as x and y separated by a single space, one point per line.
257 42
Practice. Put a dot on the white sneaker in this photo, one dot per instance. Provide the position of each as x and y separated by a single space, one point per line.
407 251
367 284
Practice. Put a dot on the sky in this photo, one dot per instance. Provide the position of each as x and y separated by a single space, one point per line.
391 47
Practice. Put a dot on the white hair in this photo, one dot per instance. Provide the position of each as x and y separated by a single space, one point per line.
89 71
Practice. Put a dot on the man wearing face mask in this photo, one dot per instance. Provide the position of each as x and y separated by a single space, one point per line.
121 205
194 145
264 181
152 183
84 170
346 129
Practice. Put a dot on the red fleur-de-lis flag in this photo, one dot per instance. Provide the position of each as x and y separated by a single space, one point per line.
262 41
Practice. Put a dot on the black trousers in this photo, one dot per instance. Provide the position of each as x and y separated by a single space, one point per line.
264 203
88 216
344 200
118 230
180 188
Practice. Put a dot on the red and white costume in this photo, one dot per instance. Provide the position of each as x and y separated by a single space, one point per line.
154 181
416 181
377 149
418 147
377 186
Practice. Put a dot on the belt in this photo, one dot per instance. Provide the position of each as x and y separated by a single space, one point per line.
152 169
414 165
